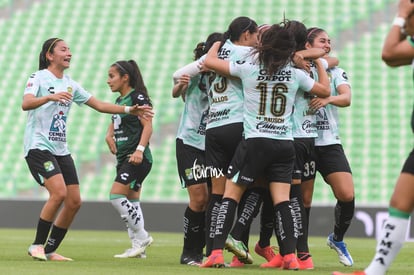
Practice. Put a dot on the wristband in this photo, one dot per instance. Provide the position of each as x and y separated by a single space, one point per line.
127 109
399 21
140 148
324 63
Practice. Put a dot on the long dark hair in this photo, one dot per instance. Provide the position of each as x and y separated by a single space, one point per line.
48 46
276 48
238 26
299 31
136 81
203 47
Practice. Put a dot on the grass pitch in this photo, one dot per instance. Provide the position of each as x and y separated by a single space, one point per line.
93 252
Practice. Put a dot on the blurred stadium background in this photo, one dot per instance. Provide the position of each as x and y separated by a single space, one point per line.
160 35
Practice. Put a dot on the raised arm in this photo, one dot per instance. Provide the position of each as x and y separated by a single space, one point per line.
216 64
181 86
397 50
191 70
322 87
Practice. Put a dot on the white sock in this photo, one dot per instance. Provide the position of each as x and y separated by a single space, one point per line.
389 244
141 233
127 211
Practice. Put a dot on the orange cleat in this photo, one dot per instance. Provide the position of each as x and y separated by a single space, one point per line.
235 262
290 262
305 264
215 259
266 252
275 262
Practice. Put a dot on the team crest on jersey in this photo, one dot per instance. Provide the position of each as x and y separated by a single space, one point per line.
58 123
57 131
70 89
48 165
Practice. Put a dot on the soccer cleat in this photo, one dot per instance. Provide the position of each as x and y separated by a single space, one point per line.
340 248
235 262
239 249
306 264
290 262
143 255
353 273
139 246
275 262
57 257
191 259
123 255
128 252
215 259
266 252
37 252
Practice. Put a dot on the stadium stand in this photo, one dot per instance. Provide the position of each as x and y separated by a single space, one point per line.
160 35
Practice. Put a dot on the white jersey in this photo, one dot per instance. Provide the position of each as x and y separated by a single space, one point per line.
46 125
327 118
269 99
226 96
192 128
304 119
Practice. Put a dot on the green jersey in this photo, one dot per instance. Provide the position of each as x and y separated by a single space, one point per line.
128 128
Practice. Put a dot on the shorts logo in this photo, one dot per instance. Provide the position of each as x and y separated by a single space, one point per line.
189 173
199 171
124 176
48 165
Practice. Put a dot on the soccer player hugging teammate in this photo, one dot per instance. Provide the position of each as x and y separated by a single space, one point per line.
192 83
225 120
269 83
330 160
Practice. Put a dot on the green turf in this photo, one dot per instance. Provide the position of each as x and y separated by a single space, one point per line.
93 254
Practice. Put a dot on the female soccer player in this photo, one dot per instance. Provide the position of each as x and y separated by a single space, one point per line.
225 119
330 158
269 84
192 86
128 138
48 97
398 50
250 202
304 133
